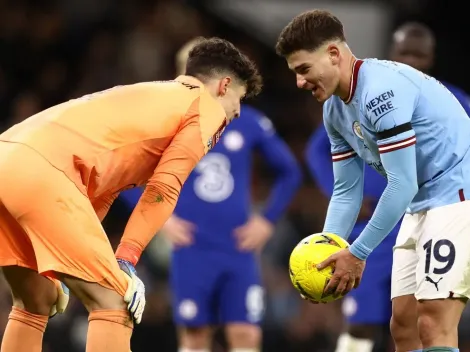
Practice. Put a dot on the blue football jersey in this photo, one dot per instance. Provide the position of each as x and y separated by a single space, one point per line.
412 108
217 198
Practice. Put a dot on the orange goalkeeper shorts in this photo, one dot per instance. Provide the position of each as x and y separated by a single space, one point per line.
48 225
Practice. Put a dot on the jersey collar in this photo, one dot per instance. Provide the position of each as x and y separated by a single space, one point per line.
190 80
353 83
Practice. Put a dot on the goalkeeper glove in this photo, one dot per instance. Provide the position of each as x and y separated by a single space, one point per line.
62 300
135 294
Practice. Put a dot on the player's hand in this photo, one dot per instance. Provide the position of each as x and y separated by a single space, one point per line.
135 294
178 231
62 299
254 234
347 272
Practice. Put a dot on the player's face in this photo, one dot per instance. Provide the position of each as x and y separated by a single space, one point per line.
230 94
417 53
316 71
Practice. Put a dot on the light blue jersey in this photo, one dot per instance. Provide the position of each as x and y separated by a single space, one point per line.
408 127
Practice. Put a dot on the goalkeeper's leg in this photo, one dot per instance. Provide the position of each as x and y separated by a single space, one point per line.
64 237
33 297
110 326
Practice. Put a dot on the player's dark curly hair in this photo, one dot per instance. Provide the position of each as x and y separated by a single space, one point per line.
214 56
308 31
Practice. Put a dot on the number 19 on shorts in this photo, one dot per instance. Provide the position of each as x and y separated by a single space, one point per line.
440 256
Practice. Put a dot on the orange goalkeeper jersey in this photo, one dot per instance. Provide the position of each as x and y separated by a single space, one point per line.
151 133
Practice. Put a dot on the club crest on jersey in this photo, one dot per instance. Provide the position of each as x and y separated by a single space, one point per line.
357 129
216 137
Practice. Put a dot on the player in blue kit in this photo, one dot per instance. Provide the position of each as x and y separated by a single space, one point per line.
214 271
415 132
368 316
414 44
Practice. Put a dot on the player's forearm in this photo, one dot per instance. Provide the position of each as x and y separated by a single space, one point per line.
282 192
347 195
151 212
281 195
401 188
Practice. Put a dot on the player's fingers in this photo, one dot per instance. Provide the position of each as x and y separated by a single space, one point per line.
186 239
130 289
183 229
238 234
327 262
342 286
332 284
187 225
246 241
358 278
246 244
241 232
181 239
357 281
139 311
351 285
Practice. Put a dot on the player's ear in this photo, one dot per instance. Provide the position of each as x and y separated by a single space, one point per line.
224 83
333 53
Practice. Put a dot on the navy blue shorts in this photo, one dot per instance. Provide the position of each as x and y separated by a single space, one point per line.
210 288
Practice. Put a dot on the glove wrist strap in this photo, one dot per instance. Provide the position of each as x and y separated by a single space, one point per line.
129 253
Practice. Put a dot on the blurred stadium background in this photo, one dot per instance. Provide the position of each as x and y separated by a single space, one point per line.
52 51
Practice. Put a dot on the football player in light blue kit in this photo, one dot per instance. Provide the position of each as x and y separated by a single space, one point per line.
415 133
413 44
214 271
368 316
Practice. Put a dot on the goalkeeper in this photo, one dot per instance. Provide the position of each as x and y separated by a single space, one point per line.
61 170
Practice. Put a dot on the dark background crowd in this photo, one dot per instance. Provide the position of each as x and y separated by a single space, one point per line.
51 51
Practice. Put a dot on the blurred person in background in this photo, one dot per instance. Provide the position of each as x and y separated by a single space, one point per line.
414 44
214 272
367 315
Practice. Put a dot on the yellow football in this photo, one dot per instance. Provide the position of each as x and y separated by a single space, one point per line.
309 252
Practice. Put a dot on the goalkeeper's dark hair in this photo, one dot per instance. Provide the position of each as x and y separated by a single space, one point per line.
309 31
213 57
